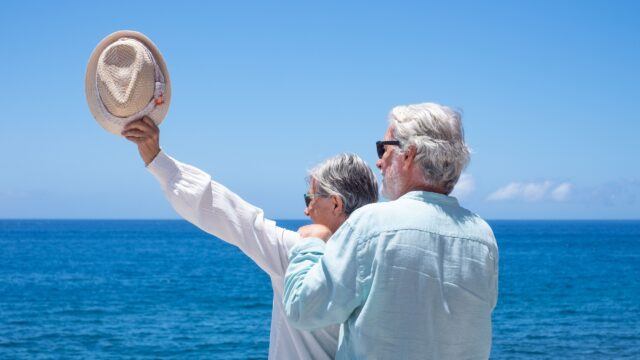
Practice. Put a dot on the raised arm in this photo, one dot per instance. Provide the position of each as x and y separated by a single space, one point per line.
211 206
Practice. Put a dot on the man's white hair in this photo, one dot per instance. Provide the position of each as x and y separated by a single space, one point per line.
437 134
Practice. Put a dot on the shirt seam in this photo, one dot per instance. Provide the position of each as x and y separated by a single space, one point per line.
378 233
359 262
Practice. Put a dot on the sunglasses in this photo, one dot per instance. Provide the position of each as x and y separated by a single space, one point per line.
380 146
308 197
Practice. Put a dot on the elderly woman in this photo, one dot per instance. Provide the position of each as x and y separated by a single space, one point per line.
337 187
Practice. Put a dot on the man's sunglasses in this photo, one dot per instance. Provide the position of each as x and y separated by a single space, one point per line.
380 146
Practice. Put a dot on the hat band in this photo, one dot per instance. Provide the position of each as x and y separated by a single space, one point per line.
157 98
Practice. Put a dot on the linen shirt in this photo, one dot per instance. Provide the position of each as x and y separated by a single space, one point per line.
414 278
218 211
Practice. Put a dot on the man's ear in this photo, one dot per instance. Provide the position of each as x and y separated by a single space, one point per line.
408 157
338 204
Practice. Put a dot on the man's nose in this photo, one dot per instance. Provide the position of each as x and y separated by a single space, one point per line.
306 211
379 164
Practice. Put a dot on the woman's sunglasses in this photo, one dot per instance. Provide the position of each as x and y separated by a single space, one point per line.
308 197
380 146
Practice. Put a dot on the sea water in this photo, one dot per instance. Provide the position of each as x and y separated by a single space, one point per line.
165 289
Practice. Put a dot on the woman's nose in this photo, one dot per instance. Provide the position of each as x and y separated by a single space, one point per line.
306 211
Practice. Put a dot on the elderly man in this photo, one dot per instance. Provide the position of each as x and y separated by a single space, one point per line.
412 278
337 187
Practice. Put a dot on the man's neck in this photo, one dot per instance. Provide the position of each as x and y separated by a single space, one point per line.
417 182
424 186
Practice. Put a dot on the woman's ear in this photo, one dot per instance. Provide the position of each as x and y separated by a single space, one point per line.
338 204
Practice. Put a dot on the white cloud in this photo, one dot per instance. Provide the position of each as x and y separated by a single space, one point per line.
532 191
465 186
535 191
505 193
561 192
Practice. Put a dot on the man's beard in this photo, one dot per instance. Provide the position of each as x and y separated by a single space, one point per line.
391 184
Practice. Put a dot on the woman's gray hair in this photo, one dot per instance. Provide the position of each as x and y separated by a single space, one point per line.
436 133
347 176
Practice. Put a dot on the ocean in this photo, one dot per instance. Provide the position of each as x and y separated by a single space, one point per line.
164 289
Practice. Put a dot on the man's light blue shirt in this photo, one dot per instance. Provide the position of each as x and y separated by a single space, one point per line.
414 278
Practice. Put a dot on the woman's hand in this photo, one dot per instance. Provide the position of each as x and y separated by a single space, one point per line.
146 134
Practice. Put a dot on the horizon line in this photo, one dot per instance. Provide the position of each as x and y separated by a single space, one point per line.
180 219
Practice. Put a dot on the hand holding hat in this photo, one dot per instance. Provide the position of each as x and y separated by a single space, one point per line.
146 134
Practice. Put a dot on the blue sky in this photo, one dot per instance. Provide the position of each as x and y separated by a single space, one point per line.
262 91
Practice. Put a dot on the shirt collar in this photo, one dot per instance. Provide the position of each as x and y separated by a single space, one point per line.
431 197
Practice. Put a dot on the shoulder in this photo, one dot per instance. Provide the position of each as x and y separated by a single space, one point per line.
373 218
370 211
288 239
474 227
485 231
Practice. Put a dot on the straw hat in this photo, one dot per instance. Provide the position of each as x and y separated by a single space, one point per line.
127 79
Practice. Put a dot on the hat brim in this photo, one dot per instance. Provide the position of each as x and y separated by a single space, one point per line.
93 98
